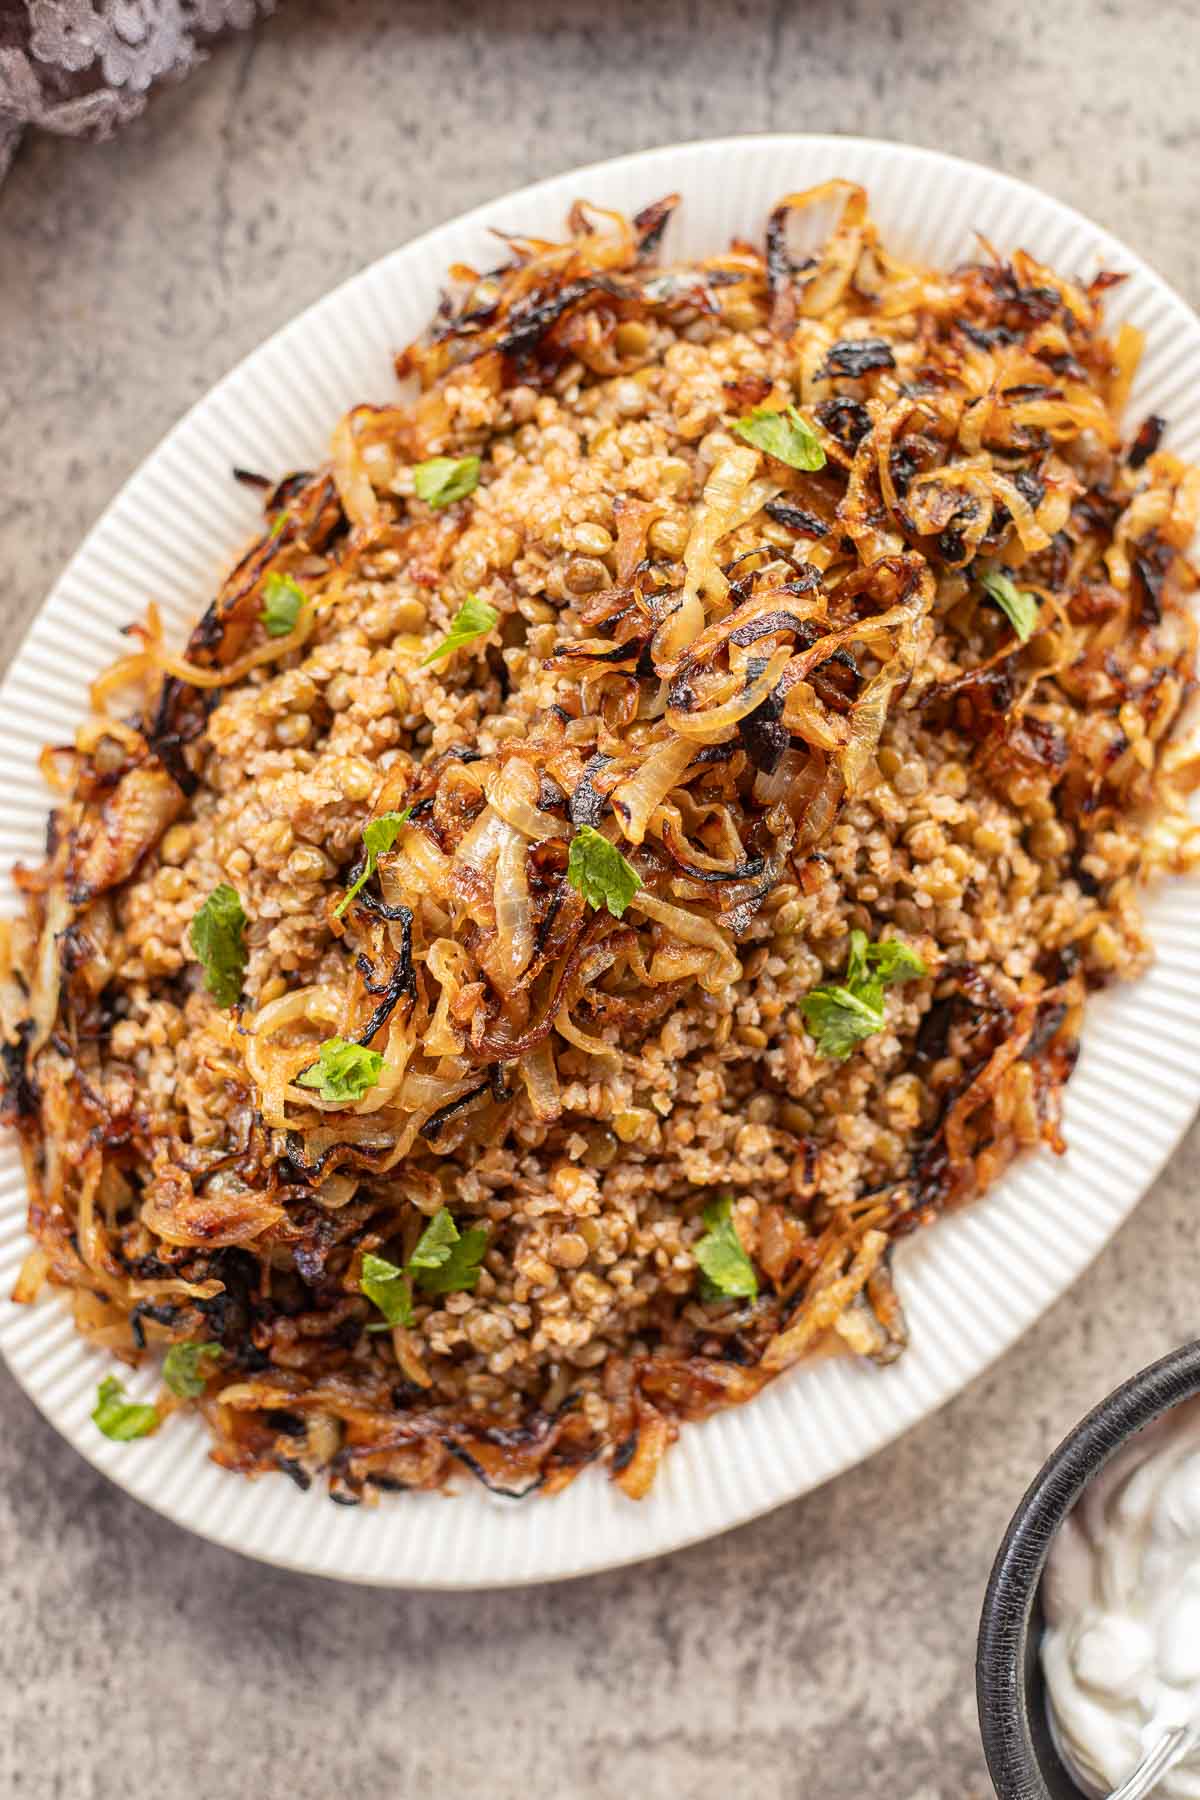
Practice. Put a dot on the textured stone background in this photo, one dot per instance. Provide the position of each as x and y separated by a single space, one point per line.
824 1653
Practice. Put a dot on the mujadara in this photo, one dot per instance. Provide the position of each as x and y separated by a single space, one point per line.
632 839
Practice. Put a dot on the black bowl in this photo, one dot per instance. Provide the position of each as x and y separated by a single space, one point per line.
1021 1757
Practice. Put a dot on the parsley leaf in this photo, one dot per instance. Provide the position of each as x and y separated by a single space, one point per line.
378 837
840 1017
445 1261
436 1242
280 521
474 618
1019 607
344 1072
890 960
786 436
894 961
856 958
380 834
282 599
441 480
460 1270
119 1418
183 1368
217 936
726 1271
600 873
388 1288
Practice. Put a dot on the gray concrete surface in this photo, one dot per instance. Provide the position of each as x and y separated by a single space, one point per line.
824 1653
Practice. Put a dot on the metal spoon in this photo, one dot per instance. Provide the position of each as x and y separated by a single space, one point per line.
1170 1749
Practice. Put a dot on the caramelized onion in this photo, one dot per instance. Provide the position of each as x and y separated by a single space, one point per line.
776 788
512 794
718 723
47 970
270 651
350 473
826 280
480 845
418 867
1031 534
721 506
635 800
692 928
512 948
805 717
540 1077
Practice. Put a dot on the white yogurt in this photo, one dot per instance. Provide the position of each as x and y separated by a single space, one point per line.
1121 1594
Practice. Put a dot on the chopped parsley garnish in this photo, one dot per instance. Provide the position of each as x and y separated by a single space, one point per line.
378 837
441 480
218 936
387 1287
344 1072
1019 606
474 618
119 1418
726 1272
840 1017
184 1368
436 1242
784 435
600 872
890 961
445 1261
282 599
278 524
458 1270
